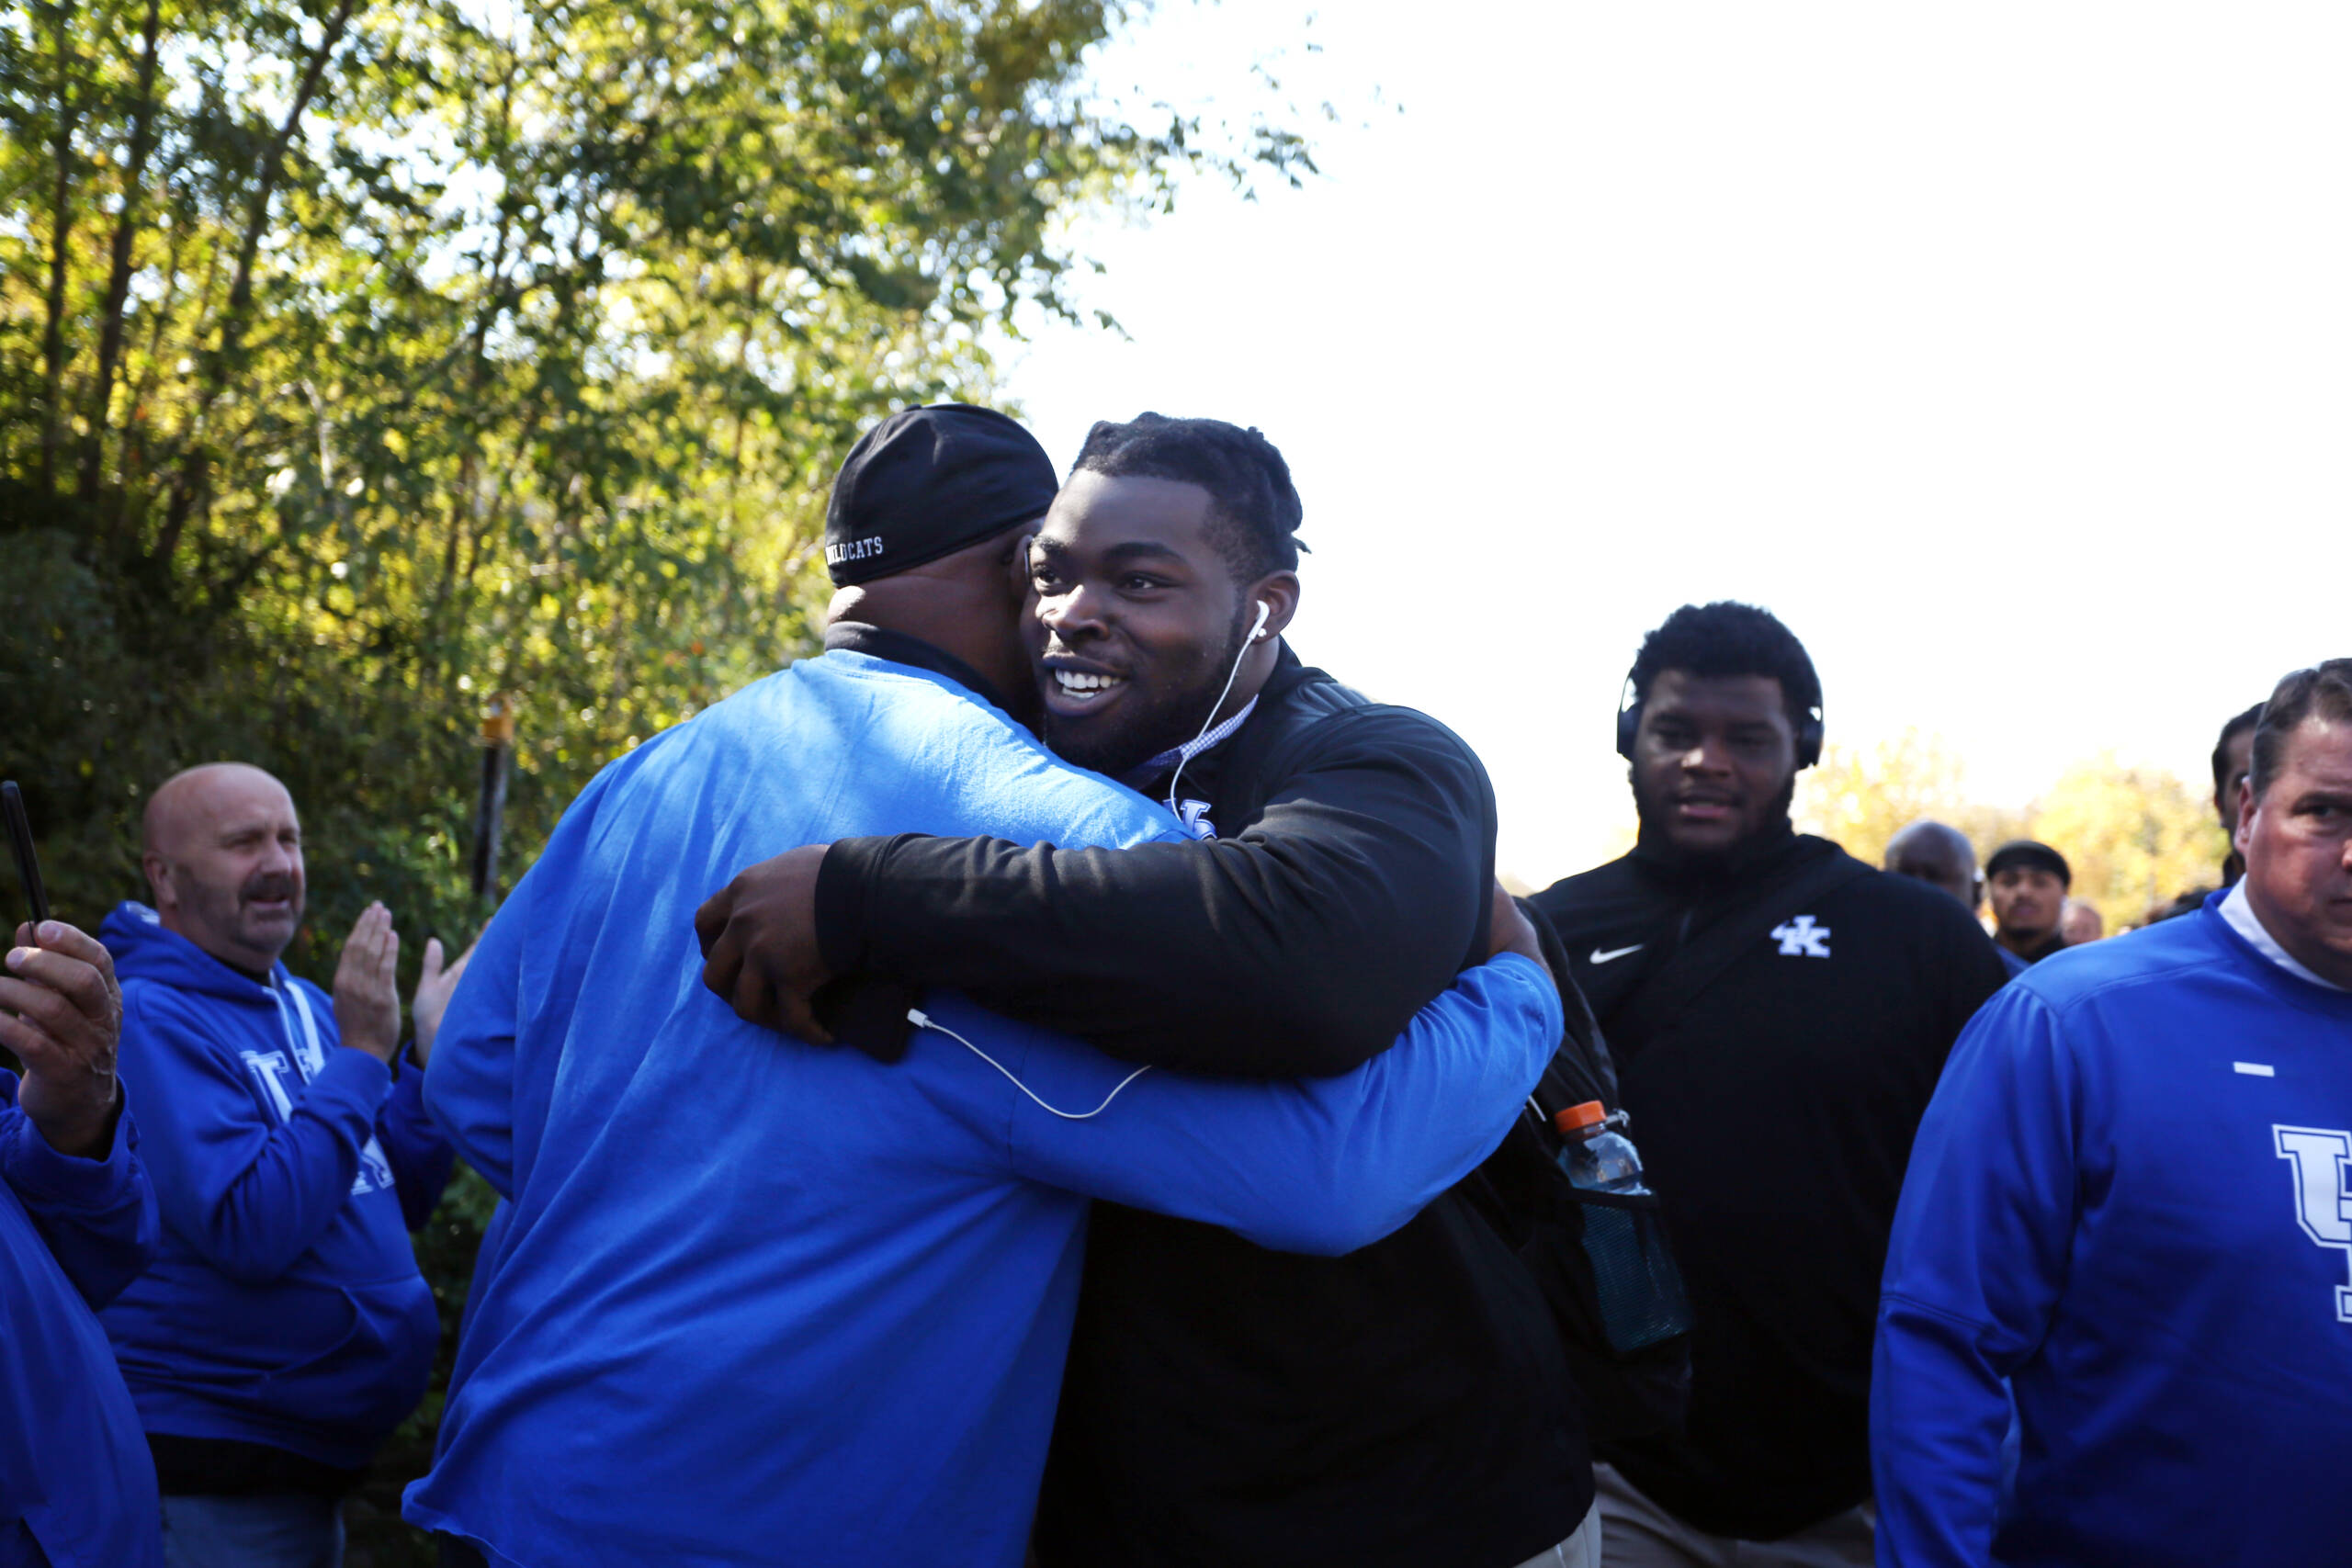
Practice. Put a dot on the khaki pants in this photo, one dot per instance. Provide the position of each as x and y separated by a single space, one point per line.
1581 1549
1640 1534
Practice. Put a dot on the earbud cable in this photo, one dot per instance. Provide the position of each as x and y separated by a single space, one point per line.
923 1020
1185 755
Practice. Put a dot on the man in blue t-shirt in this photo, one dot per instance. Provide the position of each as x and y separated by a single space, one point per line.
755 1301
2129 1198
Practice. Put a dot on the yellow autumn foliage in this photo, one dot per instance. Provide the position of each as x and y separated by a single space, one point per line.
2135 835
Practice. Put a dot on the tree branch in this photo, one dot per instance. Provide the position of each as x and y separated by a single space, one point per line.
143 142
189 485
53 338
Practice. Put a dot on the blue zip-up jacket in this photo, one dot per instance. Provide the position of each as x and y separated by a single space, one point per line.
74 1475
2127 1197
756 1303
286 1307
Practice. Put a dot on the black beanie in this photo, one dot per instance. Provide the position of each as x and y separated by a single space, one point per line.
929 481
2031 853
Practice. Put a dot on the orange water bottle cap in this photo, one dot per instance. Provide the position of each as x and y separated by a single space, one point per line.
1576 1119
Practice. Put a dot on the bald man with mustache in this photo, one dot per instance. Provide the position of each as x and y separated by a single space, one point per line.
283 1330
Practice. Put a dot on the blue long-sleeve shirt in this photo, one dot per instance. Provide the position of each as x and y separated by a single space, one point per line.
2127 1197
285 1307
74 1466
752 1301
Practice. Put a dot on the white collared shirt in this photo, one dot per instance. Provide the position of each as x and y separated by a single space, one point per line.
2238 909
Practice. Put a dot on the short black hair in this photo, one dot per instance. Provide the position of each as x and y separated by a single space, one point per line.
1730 638
2230 732
1254 509
2324 691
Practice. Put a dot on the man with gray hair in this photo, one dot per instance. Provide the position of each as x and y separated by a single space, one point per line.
2081 923
283 1330
2127 1204
1942 857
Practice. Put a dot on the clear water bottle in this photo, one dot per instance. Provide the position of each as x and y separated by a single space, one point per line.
1596 1158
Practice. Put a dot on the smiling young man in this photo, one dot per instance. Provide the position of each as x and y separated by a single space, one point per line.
1778 1012
755 1303
2127 1206
1407 1404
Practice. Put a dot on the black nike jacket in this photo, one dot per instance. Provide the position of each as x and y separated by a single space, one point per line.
1407 1405
1775 1116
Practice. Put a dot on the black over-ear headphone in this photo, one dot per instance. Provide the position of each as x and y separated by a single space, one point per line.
1629 724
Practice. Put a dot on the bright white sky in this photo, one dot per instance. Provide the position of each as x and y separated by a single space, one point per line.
2004 350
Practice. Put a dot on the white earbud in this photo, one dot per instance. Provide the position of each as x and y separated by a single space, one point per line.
1184 752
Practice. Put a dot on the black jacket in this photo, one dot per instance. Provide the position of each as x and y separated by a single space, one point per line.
1405 1405
1348 884
2053 941
1774 1115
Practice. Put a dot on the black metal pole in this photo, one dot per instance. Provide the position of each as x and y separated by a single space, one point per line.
490 810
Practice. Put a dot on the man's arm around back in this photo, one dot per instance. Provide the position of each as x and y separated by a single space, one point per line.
1299 944
1317 1165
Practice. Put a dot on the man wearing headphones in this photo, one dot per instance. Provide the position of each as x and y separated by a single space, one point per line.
1779 1014
1405 1405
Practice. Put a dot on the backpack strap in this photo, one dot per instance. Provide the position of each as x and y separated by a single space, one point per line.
1670 989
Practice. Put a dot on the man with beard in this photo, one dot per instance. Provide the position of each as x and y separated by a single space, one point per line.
1778 1013
283 1330
1405 1405
2029 882
758 1303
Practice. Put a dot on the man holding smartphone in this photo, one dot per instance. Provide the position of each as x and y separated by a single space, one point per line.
77 1223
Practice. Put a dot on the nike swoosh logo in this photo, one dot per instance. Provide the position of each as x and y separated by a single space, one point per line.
1600 957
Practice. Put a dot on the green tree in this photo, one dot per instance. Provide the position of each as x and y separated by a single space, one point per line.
357 361
361 360
1861 795
2135 837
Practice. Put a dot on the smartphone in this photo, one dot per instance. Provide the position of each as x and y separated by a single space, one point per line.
20 842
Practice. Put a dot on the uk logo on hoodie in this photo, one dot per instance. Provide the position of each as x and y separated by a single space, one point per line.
300 1059
303 1056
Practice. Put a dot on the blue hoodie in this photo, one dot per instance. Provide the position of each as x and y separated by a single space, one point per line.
74 1467
756 1303
286 1307
2127 1197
